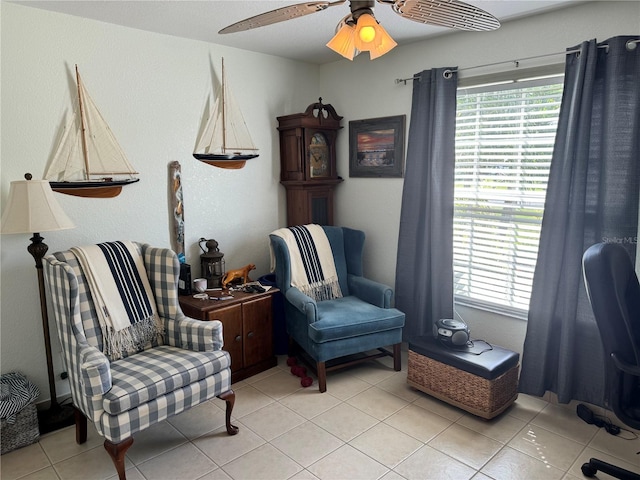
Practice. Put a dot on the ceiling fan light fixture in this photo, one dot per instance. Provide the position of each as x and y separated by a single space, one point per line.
361 32
343 42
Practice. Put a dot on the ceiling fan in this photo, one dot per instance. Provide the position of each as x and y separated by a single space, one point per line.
359 31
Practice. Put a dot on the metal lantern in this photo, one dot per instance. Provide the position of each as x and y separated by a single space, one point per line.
211 263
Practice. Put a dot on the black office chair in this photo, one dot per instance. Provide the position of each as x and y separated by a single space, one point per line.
614 293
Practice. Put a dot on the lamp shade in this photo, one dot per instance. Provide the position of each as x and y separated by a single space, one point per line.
366 34
342 42
386 44
32 207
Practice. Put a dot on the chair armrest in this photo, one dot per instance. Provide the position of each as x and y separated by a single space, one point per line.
96 371
197 335
305 304
624 366
370 291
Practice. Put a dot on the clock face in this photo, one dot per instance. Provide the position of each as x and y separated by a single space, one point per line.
319 156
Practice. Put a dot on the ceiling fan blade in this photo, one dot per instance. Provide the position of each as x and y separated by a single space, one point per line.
446 13
279 15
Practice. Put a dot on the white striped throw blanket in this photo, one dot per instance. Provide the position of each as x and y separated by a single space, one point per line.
122 295
16 392
313 271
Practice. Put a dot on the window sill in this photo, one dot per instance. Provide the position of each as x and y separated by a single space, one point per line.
515 313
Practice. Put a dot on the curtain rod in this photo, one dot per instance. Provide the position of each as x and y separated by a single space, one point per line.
631 45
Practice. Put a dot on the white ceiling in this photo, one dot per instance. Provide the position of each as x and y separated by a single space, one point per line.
302 38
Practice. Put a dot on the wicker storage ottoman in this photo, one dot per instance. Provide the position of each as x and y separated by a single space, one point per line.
483 379
24 431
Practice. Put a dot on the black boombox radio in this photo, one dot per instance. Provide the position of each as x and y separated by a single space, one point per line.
451 332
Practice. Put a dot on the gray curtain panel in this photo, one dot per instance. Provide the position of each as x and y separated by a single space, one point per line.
424 269
592 197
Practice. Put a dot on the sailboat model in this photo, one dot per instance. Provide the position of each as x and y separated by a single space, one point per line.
225 141
89 158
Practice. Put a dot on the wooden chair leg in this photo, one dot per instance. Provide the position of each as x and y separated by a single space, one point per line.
230 398
397 357
117 452
81 426
321 370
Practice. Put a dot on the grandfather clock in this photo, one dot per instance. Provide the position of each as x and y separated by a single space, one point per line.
308 163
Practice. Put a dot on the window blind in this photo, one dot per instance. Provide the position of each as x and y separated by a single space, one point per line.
504 142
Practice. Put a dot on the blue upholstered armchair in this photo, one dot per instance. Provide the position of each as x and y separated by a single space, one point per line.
184 367
360 321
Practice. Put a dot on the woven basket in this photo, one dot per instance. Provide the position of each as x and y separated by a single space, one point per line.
476 395
23 432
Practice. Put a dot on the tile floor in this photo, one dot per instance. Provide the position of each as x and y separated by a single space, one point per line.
369 425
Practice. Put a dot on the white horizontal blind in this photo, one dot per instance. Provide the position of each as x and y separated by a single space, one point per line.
504 141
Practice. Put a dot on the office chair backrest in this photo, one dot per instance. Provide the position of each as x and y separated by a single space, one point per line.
614 293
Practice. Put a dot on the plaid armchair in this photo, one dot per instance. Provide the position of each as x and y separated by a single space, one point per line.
128 395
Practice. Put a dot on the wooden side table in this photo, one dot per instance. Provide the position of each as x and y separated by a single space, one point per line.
247 328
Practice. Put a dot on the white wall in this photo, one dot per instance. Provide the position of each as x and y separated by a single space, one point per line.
365 89
152 90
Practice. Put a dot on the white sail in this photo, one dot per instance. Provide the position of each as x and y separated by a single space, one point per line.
211 139
67 163
101 155
225 132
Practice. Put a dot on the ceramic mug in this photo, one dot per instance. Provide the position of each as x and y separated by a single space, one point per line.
200 284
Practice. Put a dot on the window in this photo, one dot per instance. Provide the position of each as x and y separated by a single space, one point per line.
504 141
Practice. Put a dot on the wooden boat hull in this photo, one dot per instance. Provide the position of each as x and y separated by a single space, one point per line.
96 189
225 161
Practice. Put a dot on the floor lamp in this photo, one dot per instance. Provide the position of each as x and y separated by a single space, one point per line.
32 208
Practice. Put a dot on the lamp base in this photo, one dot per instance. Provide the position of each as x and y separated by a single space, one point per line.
55 418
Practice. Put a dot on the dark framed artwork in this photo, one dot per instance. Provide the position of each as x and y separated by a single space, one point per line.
376 147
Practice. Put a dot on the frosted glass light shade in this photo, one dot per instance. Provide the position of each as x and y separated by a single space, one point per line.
381 42
343 42
32 208
366 33
385 46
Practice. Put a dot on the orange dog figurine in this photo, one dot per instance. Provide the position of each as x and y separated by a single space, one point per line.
242 273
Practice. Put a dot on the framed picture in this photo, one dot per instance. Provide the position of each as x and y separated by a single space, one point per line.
376 147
